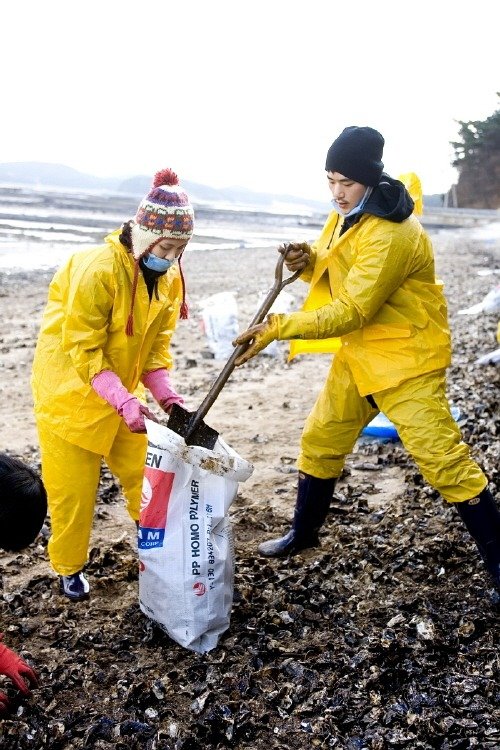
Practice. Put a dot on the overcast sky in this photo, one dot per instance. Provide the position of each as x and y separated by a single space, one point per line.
239 92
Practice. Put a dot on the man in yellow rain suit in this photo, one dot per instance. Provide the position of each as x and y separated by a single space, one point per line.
105 334
373 287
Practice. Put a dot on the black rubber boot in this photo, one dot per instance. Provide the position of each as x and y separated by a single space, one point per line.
482 519
313 501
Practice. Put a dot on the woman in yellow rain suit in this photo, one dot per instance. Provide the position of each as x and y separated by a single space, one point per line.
105 334
373 292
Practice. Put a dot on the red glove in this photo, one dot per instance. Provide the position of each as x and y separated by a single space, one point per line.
108 386
158 382
21 674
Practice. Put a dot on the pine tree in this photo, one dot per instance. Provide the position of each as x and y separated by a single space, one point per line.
477 158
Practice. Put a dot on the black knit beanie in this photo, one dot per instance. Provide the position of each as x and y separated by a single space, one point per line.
357 154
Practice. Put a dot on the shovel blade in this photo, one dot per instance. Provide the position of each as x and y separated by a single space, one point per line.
181 420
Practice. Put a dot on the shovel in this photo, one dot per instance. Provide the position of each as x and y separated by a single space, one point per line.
190 424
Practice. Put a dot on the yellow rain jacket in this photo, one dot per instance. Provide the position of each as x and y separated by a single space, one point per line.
373 298
83 332
373 286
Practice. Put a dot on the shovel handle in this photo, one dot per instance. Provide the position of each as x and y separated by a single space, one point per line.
279 284
259 316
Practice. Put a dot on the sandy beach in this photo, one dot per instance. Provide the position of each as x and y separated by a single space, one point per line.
266 402
260 413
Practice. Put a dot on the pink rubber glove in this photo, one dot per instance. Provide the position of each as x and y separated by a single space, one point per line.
108 386
158 382
21 674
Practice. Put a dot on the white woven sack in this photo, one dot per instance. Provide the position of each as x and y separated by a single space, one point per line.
185 541
219 314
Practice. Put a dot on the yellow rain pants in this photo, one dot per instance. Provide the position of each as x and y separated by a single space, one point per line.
71 477
420 412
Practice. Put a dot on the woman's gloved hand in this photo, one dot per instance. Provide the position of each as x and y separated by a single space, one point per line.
258 337
133 412
108 386
297 255
21 674
158 382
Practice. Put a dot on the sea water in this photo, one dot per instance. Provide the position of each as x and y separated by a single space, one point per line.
40 229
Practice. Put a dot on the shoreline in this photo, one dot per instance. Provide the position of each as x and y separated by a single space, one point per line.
248 274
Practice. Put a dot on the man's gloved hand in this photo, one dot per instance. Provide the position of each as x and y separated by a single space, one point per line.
298 325
21 674
297 255
158 382
260 336
108 386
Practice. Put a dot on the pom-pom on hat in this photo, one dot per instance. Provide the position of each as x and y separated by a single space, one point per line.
357 154
164 212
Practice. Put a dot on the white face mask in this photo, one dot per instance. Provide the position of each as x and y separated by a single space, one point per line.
356 209
160 265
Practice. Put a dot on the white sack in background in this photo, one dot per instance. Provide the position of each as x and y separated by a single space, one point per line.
284 303
219 314
492 358
489 304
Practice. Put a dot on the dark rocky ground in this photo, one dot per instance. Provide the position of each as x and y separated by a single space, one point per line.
385 637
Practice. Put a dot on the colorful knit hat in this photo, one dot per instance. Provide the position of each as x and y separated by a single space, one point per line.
164 212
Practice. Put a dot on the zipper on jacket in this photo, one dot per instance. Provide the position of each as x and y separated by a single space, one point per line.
333 233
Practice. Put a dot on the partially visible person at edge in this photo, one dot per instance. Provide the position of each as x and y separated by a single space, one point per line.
374 262
105 334
23 507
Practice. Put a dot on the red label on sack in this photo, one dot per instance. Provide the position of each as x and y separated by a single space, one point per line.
156 490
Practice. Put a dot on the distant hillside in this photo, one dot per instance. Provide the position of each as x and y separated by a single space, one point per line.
60 176
35 173
44 174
